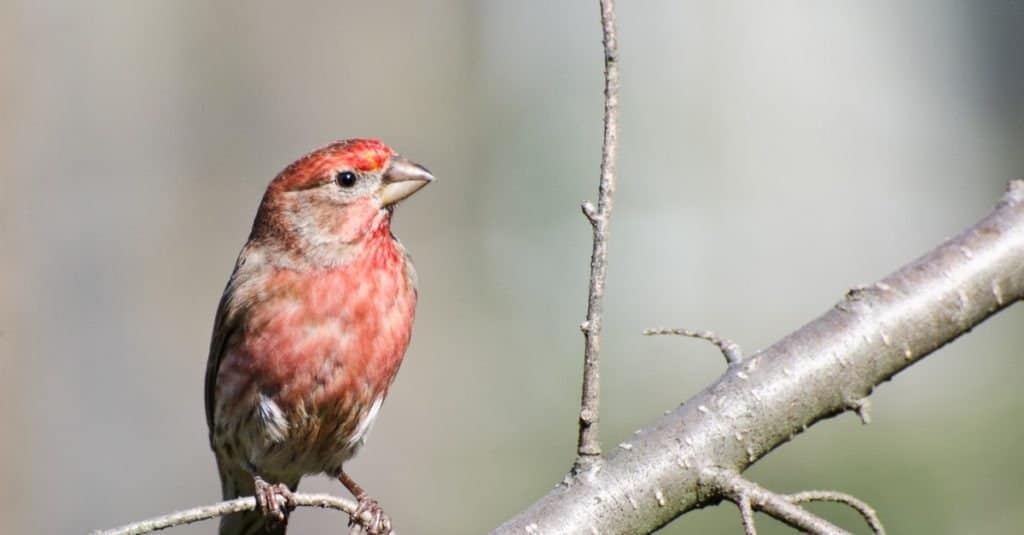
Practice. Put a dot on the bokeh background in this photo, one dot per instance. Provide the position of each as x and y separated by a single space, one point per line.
772 155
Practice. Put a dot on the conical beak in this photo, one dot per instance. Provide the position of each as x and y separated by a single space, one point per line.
401 179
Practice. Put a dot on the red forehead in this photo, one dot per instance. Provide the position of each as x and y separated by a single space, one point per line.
356 154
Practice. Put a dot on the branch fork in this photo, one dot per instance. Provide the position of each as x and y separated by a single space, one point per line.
750 497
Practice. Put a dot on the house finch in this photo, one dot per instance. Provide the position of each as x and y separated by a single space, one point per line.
311 329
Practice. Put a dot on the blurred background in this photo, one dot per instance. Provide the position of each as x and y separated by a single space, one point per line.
772 156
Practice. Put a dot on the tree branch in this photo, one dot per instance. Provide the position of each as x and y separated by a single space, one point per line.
821 370
238 505
588 451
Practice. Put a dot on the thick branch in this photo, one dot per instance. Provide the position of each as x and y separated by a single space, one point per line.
588 447
817 372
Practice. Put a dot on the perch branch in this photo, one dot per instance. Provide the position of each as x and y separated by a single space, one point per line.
588 451
238 505
872 334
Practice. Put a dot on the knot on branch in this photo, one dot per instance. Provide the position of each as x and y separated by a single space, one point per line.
588 415
592 213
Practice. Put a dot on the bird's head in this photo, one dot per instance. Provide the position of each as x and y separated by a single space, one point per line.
337 195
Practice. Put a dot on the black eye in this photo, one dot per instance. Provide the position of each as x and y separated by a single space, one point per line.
345 179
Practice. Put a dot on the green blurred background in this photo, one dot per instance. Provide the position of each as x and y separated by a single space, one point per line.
772 155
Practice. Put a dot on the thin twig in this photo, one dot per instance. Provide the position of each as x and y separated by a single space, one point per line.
730 350
747 515
238 505
739 490
589 447
865 510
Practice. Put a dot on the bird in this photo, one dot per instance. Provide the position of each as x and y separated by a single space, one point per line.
311 330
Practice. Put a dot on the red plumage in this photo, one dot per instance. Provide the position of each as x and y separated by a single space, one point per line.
312 327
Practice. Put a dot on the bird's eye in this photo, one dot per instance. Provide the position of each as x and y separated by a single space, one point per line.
345 179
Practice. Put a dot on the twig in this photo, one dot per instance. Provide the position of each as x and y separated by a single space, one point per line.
747 515
749 496
865 510
589 447
741 491
238 505
730 350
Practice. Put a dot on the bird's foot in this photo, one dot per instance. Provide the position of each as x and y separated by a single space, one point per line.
369 517
266 500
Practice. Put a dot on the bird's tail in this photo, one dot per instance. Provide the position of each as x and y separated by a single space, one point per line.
237 483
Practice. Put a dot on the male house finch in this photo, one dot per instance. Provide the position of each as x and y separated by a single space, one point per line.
311 329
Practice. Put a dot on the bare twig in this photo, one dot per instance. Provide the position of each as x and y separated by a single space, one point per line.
589 447
741 491
238 505
749 496
811 374
730 350
865 510
746 515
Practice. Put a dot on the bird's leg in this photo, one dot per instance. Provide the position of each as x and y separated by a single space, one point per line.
378 522
266 499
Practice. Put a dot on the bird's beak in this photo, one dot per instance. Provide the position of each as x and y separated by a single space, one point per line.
401 179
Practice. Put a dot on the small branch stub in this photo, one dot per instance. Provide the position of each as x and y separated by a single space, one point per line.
863 409
590 211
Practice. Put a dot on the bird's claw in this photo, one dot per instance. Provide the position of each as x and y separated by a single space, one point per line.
370 517
266 500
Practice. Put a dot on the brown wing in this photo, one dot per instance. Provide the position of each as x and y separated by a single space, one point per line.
224 325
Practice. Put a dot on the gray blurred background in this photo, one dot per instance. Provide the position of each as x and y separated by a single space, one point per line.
772 155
